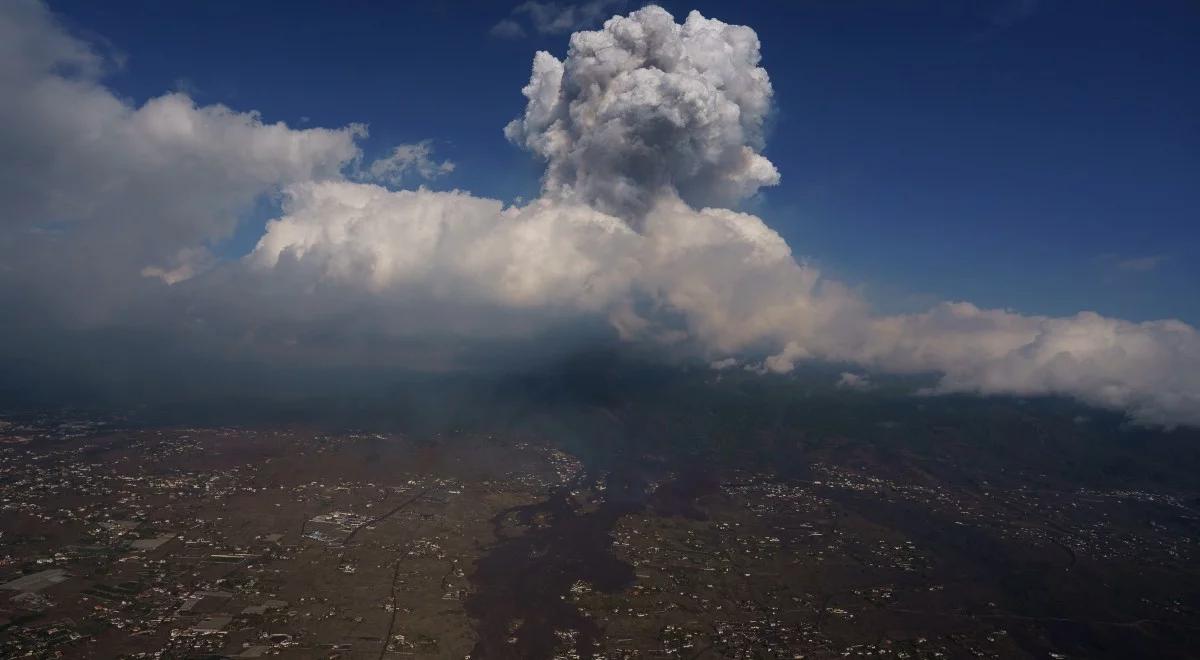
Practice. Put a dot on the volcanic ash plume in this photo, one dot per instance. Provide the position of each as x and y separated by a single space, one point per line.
647 107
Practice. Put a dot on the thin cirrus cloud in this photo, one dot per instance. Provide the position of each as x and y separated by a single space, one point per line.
651 131
553 17
1142 264
852 381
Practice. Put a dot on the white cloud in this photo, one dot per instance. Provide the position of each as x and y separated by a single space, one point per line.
507 29
128 186
720 282
405 161
186 264
103 204
852 381
448 245
1147 369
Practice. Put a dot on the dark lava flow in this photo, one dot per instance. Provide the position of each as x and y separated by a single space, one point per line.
522 586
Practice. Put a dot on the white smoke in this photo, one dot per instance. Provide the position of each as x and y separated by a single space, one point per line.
651 131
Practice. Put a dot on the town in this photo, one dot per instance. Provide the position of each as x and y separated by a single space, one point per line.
242 543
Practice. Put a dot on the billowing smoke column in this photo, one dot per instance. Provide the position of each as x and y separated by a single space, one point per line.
647 107
651 131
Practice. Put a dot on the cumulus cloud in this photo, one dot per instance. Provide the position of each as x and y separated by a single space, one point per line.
1144 368
406 161
646 107
651 130
720 283
94 189
450 245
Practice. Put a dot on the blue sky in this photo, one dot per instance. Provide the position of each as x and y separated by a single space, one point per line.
1042 156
